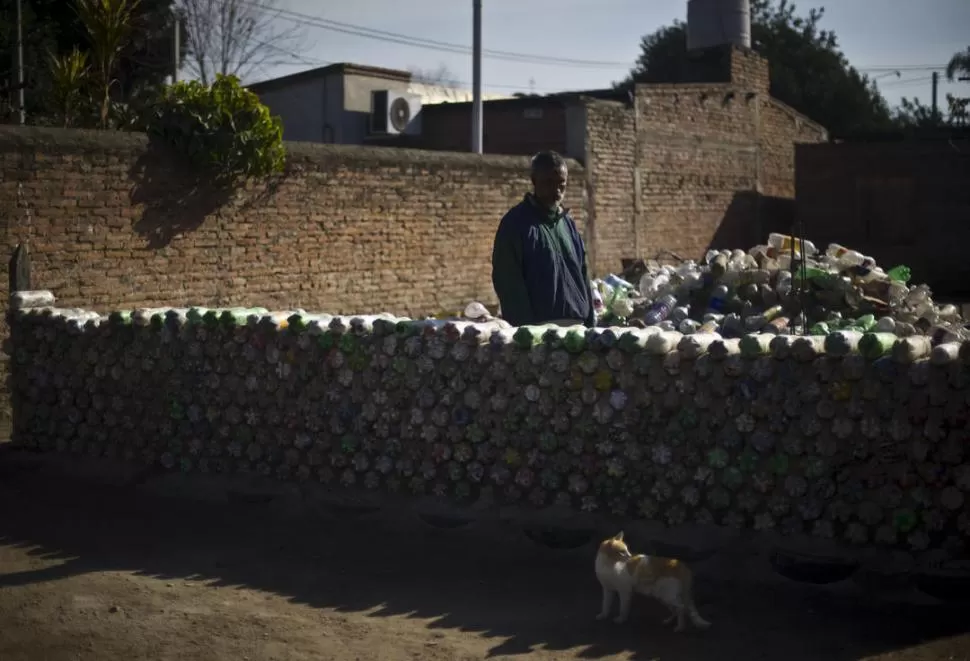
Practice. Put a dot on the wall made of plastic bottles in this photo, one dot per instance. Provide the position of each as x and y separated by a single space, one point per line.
857 439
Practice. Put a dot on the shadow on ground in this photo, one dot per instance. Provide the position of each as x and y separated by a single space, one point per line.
524 596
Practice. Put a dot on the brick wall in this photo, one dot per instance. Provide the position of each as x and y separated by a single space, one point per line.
901 202
514 126
348 229
682 168
610 165
691 166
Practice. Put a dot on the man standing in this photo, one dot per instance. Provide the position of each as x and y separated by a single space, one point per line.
538 260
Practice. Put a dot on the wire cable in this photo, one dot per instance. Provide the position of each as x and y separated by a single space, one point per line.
430 44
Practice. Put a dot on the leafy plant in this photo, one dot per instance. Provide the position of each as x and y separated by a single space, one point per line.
222 128
959 65
108 24
69 76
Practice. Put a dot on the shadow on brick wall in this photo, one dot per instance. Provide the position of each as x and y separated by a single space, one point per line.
174 200
749 219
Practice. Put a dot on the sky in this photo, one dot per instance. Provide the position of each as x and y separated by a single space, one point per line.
898 43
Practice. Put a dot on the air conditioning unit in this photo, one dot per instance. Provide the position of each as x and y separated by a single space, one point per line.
394 113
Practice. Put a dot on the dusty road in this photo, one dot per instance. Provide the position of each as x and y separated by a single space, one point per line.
98 573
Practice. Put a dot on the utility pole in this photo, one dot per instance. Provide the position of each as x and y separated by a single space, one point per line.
936 89
477 76
22 111
178 47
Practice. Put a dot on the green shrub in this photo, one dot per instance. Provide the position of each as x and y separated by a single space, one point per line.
222 128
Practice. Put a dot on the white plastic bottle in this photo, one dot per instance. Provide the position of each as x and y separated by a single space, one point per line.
783 244
843 257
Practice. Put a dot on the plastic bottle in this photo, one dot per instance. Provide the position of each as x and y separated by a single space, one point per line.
899 273
598 306
688 326
768 295
843 257
651 284
678 314
718 265
693 281
821 328
476 310
755 276
719 297
748 292
885 325
617 282
687 268
606 292
866 322
778 326
869 272
709 326
622 306
659 310
949 312
731 326
783 284
918 295
759 321
783 244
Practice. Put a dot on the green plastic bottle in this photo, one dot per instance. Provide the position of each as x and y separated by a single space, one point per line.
574 341
527 337
900 273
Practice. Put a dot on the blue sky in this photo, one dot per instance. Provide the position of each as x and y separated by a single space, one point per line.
876 36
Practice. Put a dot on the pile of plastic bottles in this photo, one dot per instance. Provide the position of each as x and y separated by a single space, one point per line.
784 286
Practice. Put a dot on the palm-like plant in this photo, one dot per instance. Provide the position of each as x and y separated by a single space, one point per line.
68 76
959 65
109 27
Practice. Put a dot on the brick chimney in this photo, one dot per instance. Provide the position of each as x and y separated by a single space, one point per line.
728 64
719 45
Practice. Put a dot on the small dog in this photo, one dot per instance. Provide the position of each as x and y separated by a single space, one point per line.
667 579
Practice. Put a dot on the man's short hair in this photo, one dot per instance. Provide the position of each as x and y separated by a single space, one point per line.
548 160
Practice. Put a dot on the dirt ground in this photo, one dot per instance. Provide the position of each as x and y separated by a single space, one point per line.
106 573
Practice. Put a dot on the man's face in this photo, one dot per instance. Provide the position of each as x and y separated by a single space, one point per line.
550 186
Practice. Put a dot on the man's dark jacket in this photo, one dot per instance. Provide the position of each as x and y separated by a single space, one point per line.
539 267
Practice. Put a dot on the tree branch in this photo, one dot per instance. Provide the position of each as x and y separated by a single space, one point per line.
237 37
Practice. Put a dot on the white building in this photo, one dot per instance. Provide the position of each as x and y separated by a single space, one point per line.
352 104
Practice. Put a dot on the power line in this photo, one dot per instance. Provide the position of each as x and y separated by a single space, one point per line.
901 67
450 47
430 44
907 84
906 81
299 60
421 42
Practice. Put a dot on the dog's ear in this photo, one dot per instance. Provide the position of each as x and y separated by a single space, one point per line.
619 536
